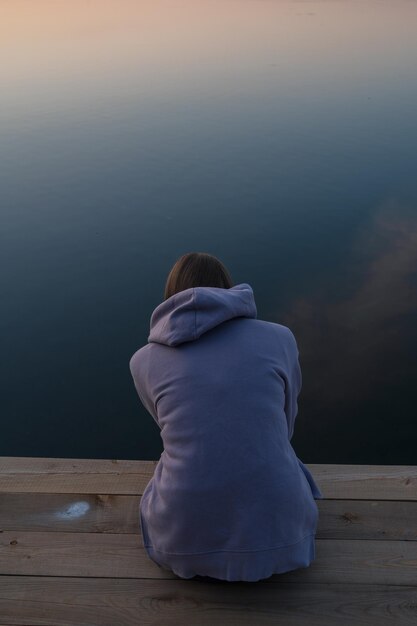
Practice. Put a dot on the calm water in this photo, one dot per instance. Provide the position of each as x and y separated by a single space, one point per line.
279 136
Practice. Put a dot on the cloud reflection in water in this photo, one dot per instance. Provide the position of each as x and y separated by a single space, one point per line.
356 340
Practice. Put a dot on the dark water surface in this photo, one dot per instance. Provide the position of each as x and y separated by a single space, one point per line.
279 136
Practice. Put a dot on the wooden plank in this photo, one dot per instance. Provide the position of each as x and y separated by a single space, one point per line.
74 554
133 484
123 556
356 561
46 465
89 476
55 512
366 482
108 513
367 519
107 602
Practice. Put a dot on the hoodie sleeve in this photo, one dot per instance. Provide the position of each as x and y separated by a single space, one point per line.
140 381
292 390
315 490
293 382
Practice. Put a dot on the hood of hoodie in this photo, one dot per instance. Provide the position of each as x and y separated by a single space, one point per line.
187 315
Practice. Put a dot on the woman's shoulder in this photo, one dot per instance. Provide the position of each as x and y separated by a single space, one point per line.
138 357
274 330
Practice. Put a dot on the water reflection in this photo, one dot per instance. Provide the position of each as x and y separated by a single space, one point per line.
263 132
356 336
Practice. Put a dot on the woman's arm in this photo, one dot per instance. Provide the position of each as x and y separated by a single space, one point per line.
293 381
141 383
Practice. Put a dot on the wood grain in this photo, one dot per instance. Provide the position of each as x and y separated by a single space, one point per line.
367 482
47 465
108 602
367 519
109 513
56 512
37 475
89 476
71 553
123 555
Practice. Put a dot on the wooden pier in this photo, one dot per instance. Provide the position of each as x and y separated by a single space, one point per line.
71 553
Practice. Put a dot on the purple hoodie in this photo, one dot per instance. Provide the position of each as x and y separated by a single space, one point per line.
229 498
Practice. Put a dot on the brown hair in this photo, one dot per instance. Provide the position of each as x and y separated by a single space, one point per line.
197 269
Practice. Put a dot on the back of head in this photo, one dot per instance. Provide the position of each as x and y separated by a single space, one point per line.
197 269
